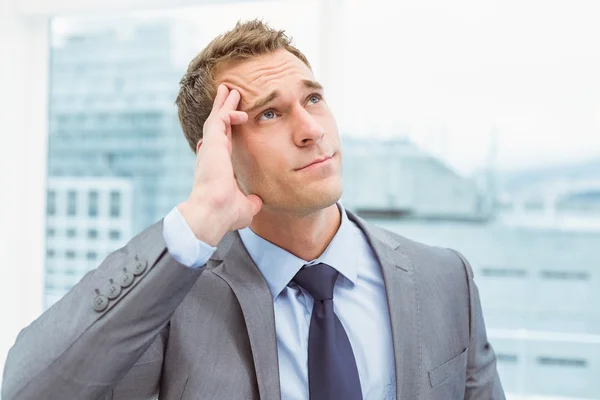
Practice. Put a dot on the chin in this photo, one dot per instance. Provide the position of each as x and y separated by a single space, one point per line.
321 197
303 198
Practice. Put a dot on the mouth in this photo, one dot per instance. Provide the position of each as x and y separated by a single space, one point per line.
316 161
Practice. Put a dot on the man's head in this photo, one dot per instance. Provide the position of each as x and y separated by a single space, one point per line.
289 123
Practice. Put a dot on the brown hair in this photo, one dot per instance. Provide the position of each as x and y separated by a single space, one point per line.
197 87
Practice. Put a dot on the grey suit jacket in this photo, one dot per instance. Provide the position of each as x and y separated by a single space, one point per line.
182 333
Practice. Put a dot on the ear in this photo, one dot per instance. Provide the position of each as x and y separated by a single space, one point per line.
198 145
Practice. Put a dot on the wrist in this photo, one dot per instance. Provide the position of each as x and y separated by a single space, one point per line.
206 224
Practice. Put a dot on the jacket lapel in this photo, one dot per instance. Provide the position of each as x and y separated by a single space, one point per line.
234 265
403 303
246 281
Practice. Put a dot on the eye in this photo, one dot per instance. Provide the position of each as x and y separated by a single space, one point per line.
314 98
267 115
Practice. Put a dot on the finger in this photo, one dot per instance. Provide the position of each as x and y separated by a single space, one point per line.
255 203
238 117
232 101
222 93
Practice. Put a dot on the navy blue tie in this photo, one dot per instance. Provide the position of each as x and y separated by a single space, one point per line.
332 371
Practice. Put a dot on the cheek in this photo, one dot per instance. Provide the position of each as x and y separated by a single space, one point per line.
266 155
329 118
325 118
247 159
240 159
268 165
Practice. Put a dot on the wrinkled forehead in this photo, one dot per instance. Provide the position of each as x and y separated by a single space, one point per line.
260 75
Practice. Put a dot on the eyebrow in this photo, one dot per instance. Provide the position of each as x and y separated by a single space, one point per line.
312 84
307 83
264 101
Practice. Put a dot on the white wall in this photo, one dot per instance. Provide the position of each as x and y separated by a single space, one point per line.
23 119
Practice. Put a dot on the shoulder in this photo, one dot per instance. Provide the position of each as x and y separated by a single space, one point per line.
426 260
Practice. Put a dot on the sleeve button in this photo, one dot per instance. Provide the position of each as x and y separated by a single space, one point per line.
112 290
100 302
126 279
139 267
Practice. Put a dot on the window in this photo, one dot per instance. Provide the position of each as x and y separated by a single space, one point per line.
69 254
93 204
71 232
51 210
563 362
507 358
115 205
463 130
503 272
51 232
566 275
71 203
50 253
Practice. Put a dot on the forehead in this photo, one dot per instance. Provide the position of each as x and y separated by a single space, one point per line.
258 76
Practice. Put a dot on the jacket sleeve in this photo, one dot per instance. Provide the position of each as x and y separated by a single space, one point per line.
111 326
483 381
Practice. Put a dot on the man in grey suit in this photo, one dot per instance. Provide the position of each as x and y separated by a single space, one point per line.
261 285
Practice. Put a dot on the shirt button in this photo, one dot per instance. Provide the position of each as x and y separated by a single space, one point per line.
112 290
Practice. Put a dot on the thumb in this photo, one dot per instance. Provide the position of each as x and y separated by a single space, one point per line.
255 202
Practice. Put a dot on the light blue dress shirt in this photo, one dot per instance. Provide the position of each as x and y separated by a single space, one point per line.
359 302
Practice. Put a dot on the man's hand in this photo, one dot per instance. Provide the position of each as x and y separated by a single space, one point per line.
216 204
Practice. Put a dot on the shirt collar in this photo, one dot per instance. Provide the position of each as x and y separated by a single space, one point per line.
279 266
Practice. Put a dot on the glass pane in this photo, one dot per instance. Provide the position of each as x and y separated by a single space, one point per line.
93 204
115 204
51 209
71 203
465 125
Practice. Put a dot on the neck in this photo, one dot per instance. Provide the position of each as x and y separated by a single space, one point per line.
305 236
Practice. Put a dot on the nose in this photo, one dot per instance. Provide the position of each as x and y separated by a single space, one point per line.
307 129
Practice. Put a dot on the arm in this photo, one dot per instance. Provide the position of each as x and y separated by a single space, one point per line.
76 351
483 381
86 343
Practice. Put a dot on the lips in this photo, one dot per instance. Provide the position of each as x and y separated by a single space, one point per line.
316 161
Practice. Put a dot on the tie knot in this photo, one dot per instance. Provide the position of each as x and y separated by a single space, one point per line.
318 280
